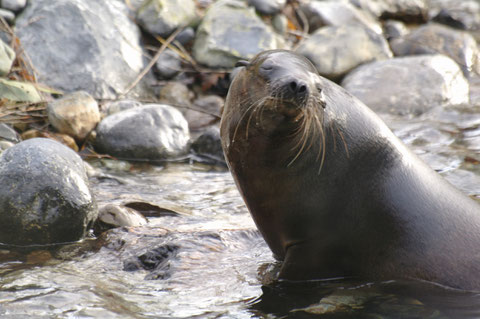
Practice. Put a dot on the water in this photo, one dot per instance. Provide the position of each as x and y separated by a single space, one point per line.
207 259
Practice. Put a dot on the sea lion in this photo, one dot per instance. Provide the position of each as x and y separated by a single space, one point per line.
332 190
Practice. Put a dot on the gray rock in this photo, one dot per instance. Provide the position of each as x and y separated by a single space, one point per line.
463 14
408 85
112 216
208 147
270 7
394 29
7 56
185 36
280 23
103 57
204 112
151 132
336 50
44 194
231 31
75 114
176 94
162 17
13 5
169 64
7 133
411 11
121 105
337 13
8 15
438 39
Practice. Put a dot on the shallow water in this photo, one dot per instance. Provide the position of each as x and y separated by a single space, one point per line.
205 258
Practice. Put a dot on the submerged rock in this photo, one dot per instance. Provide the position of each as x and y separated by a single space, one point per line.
335 51
231 31
44 194
438 39
102 56
149 132
408 85
75 114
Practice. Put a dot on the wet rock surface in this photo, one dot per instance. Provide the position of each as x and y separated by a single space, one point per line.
44 193
408 85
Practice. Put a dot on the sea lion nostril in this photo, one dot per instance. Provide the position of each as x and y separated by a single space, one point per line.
297 88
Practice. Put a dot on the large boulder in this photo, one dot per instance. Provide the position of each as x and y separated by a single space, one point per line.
162 17
336 50
149 132
408 85
438 39
231 31
85 45
44 194
337 13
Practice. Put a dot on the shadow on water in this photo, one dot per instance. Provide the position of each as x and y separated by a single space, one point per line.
354 299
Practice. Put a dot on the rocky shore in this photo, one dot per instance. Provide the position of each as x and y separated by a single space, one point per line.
145 81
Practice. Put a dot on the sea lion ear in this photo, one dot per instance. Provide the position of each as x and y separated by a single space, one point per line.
242 63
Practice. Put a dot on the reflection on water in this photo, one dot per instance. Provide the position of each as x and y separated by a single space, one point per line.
208 261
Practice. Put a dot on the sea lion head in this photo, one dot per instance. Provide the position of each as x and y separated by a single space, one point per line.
283 81
278 95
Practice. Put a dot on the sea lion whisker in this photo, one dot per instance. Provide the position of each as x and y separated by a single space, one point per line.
240 121
344 142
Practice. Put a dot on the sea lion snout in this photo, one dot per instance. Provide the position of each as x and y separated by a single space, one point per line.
295 89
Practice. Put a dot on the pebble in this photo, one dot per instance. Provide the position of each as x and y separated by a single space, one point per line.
75 114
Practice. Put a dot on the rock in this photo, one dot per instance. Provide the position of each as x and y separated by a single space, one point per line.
169 64
185 36
120 105
75 114
208 147
7 133
44 194
13 5
438 39
7 56
19 91
269 7
394 29
151 132
176 94
408 85
336 50
410 11
231 31
111 216
463 14
162 17
280 23
204 112
4 145
103 58
337 13
8 15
